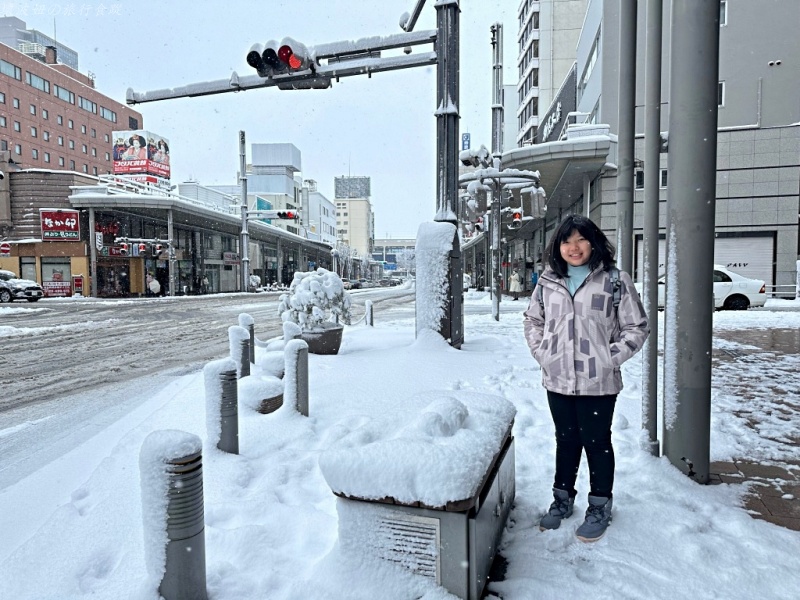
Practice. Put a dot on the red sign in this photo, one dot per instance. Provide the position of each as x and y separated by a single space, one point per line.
141 152
5 249
53 289
77 284
59 224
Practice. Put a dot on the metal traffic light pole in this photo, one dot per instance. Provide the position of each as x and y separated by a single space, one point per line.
497 152
245 237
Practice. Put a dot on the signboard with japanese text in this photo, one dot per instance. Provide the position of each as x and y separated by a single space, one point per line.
140 152
230 258
59 225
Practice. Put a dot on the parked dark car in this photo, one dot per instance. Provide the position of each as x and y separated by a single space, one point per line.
12 288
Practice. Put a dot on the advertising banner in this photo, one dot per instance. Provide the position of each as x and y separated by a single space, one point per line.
140 152
59 225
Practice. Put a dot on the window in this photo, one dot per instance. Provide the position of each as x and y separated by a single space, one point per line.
45 114
85 168
94 133
663 178
94 151
60 120
33 109
17 126
2 121
72 144
2 98
72 165
47 157
60 161
70 124
132 123
6 68
83 129
108 156
87 105
720 277
33 132
723 12
37 82
721 93
35 154
64 94
94 171
61 140
46 136
110 115
18 149
84 149
107 138
16 102
639 179
535 20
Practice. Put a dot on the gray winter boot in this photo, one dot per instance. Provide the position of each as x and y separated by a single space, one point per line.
598 516
561 508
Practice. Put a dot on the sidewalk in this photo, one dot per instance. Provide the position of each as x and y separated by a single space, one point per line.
773 485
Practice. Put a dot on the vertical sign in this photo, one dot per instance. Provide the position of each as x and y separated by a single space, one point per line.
465 141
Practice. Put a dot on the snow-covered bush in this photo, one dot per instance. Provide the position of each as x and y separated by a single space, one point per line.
314 299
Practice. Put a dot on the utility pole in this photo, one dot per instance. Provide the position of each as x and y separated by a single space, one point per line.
652 151
627 123
497 152
691 203
244 241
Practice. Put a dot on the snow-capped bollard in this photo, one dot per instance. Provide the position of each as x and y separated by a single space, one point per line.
239 339
368 315
171 472
295 377
248 323
222 404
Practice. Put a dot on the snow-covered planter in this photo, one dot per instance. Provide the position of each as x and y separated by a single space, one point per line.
319 304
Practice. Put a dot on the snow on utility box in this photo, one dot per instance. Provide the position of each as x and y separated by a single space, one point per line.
431 495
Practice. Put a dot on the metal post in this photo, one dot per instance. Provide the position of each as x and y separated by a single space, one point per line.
627 122
247 322
180 455
92 254
691 200
652 164
447 88
296 375
244 242
497 152
368 314
239 341
229 413
171 253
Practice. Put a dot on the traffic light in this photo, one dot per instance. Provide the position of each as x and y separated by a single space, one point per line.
294 55
288 214
142 249
157 248
516 219
123 248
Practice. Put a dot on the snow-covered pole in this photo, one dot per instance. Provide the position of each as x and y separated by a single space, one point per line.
248 323
222 404
368 315
171 472
295 376
239 339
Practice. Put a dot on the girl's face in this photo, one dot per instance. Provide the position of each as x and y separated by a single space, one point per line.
576 249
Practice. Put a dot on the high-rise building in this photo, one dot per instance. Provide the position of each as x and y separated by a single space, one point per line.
355 221
548 34
34 43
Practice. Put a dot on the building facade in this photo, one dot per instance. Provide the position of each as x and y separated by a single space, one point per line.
52 117
355 221
758 141
547 36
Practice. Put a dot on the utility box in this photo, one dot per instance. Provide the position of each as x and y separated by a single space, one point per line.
453 543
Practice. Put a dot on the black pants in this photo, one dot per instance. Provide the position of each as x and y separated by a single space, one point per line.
583 422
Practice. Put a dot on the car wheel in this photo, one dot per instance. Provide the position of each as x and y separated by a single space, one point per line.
5 296
737 303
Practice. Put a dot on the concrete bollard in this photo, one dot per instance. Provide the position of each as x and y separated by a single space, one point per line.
248 323
368 315
171 468
222 404
239 339
295 377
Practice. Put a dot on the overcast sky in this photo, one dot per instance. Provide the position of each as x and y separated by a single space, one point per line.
381 127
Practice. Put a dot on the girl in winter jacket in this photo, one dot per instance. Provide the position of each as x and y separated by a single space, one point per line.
584 320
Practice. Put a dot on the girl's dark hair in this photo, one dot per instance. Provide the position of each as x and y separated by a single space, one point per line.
602 249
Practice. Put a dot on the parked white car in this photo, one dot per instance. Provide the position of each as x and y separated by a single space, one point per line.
731 290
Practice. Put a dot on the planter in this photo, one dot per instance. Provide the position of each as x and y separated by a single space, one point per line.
326 341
